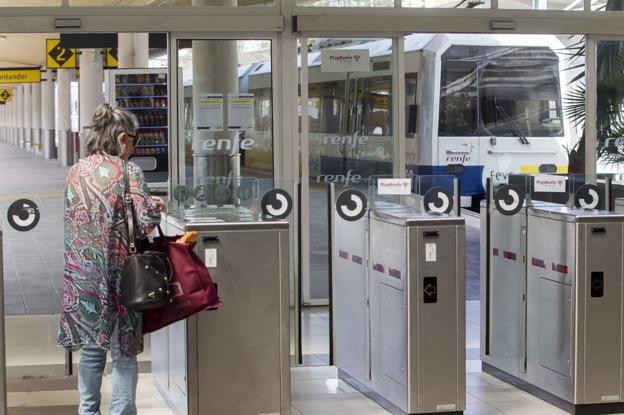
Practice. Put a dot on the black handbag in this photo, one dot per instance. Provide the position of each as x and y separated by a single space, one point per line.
146 277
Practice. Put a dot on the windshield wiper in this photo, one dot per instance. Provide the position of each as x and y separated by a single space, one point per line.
514 126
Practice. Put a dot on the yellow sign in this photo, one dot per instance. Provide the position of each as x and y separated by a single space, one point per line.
58 57
111 58
6 95
20 75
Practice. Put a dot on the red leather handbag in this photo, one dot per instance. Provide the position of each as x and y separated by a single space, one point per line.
193 288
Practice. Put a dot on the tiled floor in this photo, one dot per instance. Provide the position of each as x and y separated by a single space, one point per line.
315 390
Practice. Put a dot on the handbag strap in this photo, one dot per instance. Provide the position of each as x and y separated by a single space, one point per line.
129 210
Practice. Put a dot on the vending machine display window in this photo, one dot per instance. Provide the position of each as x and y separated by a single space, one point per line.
144 93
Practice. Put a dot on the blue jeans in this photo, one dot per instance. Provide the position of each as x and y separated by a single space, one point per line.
124 379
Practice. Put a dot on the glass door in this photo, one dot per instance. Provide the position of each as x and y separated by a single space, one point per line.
607 98
349 133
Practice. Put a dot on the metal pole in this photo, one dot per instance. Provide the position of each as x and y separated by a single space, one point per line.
608 188
456 196
488 208
299 302
331 205
3 379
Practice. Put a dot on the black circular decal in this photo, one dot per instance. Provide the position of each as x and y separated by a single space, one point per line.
222 194
438 200
587 197
201 193
276 203
23 215
509 199
351 205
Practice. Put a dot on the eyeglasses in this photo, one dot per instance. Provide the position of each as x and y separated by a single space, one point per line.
136 139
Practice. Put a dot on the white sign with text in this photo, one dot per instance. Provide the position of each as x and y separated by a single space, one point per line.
345 60
394 186
551 184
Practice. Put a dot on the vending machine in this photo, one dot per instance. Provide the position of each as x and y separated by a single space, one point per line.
144 93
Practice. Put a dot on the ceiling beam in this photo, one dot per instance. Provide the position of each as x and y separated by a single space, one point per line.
311 21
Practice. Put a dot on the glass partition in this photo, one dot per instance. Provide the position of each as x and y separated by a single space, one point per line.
225 115
610 112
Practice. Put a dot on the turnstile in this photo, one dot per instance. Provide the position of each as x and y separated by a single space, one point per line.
552 303
399 307
235 360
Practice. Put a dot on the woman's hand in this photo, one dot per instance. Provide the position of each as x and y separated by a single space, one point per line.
160 203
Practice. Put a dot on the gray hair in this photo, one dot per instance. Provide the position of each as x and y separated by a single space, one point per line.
108 122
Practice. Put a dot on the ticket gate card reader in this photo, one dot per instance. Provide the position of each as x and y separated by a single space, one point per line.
400 308
551 293
235 360
574 319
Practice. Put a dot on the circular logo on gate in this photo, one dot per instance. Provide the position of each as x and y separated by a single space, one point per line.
509 199
351 205
180 194
244 192
276 203
438 200
23 215
587 197
222 194
201 193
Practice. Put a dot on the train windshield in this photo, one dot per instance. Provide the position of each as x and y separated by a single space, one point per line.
500 91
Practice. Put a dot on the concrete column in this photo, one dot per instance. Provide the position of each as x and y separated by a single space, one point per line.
65 141
215 70
14 116
3 122
36 118
141 50
125 50
20 115
12 121
133 50
12 129
28 117
91 95
48 148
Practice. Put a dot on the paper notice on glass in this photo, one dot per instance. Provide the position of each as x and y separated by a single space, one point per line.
209 112
240 112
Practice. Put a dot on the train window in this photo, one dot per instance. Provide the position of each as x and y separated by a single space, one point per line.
519 92
500 91
411 107
458 94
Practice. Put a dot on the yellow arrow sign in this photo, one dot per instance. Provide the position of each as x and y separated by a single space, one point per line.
430 290
19 75
58 57
111 58
6 95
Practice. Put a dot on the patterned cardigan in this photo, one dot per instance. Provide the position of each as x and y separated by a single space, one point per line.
96 246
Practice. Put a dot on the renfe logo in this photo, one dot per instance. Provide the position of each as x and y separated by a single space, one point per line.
461 159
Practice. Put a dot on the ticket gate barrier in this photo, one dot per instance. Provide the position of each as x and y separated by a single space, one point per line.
552 297
399 300
235 360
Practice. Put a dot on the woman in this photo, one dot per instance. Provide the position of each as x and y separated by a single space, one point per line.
96 246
